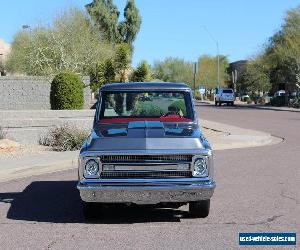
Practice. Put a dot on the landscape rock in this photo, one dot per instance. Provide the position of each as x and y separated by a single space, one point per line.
7 145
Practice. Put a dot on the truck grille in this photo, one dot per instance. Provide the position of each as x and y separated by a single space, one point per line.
145 158
146 174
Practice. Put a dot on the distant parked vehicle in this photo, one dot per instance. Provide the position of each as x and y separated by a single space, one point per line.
245 97
294 94
279 93
225 96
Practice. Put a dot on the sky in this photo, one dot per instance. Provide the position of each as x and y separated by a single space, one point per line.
172 27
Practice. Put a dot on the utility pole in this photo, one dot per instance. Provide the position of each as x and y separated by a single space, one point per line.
218 54
195 73
1 65
218 64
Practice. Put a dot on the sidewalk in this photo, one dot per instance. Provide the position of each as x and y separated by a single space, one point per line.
221 136
36 164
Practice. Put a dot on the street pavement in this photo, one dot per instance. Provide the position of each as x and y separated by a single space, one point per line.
254 106
258 191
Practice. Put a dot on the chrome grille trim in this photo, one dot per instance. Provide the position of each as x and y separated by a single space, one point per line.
146 158
144 174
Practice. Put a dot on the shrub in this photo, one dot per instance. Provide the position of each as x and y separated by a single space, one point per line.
64 138
296 103
147 109
197 96
66 92
278 101
179 105
245 99
2 134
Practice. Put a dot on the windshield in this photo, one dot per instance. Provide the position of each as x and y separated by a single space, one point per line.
150 104
227 91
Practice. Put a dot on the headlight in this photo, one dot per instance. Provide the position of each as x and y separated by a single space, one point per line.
200 168
91 169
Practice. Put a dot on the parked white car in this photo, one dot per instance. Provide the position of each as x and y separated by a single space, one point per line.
279 93
225 96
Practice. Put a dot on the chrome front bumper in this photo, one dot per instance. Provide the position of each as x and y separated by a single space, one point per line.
147 191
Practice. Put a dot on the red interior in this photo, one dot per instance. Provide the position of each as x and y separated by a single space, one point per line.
169 118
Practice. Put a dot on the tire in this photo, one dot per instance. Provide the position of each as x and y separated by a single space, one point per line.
90 210
216 103
228 103
232 103
199 209
220 103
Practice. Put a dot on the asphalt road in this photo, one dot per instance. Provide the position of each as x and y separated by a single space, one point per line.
258 190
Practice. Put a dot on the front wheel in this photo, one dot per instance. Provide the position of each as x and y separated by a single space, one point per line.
199 209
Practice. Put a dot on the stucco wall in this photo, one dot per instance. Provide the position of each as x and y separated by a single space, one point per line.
31 92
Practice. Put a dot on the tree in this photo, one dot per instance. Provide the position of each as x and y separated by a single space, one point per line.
289 48
105 16
122 61
70 44
19 55
208 71
254 79
131 26
142 73
281 56
174 70
102 74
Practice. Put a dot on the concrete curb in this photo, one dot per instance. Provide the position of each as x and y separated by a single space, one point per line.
236 137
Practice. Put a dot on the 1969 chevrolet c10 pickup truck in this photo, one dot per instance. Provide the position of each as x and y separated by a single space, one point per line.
146 148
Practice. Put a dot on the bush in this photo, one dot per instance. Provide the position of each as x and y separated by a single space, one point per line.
197 96
278 101
147 109
2 134
179 105
296 103
245 99
66 92
64 138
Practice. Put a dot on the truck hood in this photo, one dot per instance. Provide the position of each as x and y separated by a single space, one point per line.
145 135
